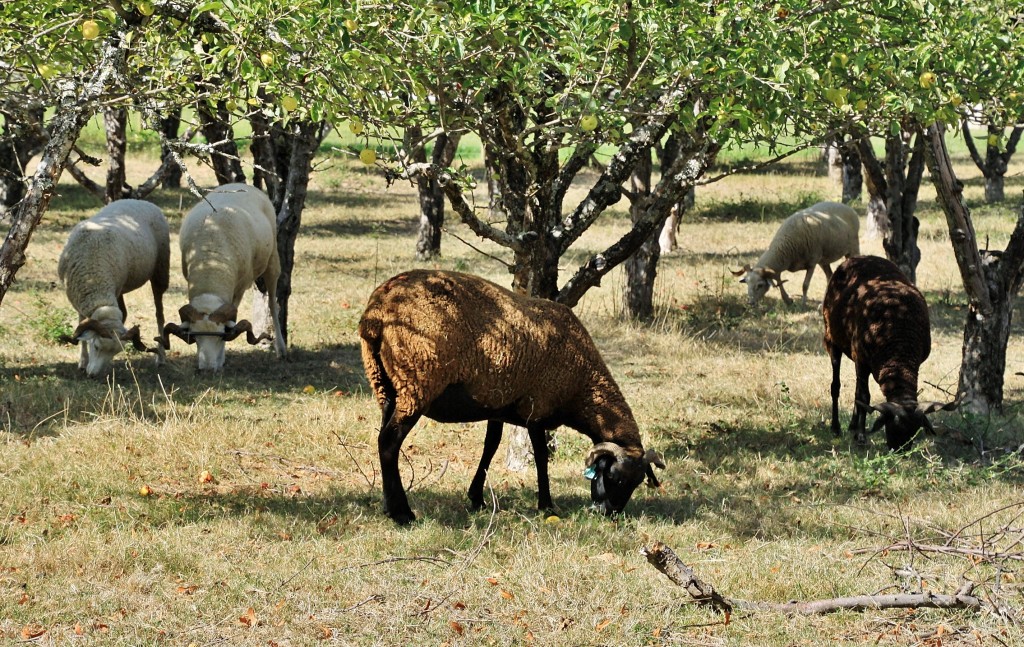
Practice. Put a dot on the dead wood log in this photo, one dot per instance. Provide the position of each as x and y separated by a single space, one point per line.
665 560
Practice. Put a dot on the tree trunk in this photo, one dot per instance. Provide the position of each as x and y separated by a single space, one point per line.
642 266
985 341
18 143
115 121
991 281
72 114
170 125
667 155
215 125
997 157
896 183
305 138
852 175
431 194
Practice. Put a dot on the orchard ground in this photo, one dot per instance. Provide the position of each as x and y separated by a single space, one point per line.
165 506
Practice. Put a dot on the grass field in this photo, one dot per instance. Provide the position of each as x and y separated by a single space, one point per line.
162 506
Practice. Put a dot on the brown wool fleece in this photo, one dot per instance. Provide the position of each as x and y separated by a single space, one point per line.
434 329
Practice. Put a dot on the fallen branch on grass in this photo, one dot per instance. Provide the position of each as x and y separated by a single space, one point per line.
665 560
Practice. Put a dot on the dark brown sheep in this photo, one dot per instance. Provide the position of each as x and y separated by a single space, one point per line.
457 348
877 318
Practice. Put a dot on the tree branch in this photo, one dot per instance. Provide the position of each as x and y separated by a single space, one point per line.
448 182
665 560
949 191
674 184
972 148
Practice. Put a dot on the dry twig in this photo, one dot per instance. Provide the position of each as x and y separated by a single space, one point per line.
665 560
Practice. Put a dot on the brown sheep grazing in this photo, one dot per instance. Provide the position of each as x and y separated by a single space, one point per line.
457 348
877 318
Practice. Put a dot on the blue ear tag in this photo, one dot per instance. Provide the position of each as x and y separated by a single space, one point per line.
590 473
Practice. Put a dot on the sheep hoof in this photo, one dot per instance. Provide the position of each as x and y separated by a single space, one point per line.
403 518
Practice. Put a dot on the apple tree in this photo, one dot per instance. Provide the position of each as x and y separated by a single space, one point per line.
255 60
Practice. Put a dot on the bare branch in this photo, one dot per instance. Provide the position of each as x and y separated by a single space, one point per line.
665 560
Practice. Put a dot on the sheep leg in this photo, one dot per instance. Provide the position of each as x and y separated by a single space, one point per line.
827 269
270 281
491 442
807 282
539 440
836 362
158 304
861 402
785 297
389 447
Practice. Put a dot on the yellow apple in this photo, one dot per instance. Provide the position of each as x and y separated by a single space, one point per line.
267 58
145 8
588 123
231 105
46 71
955 100
368 156
993 140
927 79
90 29
351 24
145 490
355 126
289 103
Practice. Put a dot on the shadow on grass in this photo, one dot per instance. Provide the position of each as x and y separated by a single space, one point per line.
38 399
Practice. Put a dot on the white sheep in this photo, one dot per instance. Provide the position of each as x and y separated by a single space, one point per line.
228 241
118 250
457 348
815 236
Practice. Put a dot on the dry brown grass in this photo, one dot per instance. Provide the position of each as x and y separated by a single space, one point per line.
288 543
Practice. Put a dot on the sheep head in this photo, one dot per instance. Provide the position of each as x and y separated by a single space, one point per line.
103 340
758 280
614 475
209 332
903 420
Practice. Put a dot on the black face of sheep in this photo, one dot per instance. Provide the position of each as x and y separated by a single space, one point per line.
614 476
902 422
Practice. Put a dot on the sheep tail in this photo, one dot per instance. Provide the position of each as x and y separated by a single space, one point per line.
370 332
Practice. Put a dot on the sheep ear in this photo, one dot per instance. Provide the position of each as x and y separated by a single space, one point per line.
652 457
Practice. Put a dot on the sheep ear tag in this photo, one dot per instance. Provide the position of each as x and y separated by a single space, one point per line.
590 472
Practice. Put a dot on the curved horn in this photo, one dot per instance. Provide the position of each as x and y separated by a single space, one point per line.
132 335
88 324
224 314
178 331
246 327
605 449
740 272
